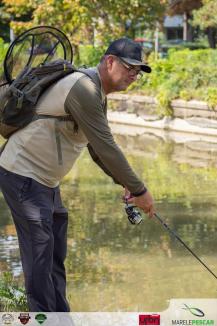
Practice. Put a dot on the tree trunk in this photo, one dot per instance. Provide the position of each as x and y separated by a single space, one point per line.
212 36
190 29
185 26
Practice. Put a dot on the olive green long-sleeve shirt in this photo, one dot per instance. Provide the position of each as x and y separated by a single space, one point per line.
33 151
89 113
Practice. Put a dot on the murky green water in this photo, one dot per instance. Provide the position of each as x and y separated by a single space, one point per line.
114 266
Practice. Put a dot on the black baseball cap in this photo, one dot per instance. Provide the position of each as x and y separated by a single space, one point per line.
128 51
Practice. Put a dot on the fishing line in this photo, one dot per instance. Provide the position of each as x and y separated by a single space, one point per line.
183 243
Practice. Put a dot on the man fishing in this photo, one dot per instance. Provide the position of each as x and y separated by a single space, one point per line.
37 157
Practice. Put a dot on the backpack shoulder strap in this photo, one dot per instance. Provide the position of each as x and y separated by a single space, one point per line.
92 74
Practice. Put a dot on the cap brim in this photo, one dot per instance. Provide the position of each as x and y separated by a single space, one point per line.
133 62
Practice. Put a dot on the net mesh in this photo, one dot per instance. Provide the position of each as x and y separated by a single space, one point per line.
35 47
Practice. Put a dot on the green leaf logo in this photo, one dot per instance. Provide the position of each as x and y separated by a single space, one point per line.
40 318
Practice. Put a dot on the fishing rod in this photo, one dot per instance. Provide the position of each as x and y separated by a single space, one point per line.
135 217
183 243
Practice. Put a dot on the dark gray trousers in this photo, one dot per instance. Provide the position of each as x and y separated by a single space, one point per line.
41 224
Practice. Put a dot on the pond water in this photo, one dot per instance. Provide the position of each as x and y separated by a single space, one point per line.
115 266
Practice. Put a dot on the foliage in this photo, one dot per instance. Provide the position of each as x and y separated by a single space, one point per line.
183 74
205 18
206 15
72 19
178 7
181 45
122 17
4 23
12 296
185 95
80 18
3 50
89 55
211 97
164 107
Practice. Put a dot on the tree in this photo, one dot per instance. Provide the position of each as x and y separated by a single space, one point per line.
59 13
185 7
4 24
80 18
14 10
206 18
178 7
122 17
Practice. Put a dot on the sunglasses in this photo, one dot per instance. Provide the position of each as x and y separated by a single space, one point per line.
131 69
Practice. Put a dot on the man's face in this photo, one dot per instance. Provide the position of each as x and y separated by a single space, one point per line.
121 74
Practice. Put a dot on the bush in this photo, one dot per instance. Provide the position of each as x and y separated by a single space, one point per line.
211 97
183 74
12 296
181 45
89 55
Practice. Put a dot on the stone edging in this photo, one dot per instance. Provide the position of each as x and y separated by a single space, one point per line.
193 104
189 116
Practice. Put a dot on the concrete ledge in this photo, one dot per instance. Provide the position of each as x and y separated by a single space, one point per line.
166 123
132 98
193 104
146 105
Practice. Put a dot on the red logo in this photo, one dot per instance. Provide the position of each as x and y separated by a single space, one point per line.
153 319
24 318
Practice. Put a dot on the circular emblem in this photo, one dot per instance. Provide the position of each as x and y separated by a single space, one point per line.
7 319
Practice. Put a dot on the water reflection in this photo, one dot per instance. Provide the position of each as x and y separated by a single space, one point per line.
112 265
9 254
9 251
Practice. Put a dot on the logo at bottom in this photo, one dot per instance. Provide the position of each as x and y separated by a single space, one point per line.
24 317
7 319
153 319
40 318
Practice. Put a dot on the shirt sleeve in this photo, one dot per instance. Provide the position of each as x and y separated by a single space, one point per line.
97 160
85 104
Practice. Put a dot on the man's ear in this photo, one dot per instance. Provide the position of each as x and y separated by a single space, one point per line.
109 61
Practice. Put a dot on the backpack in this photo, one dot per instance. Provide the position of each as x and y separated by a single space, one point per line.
34 61
17 104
